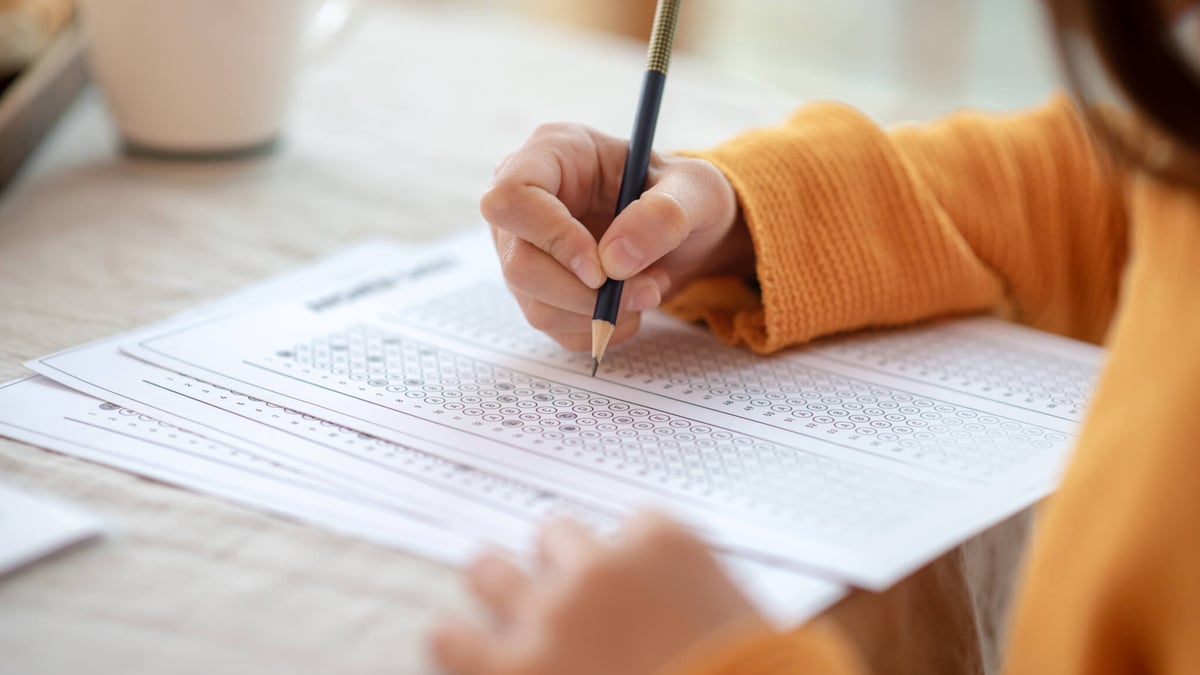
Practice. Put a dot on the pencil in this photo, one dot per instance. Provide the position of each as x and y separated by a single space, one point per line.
637 162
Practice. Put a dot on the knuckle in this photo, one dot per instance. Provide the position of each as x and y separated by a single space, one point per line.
669 215
503 163
516 265
499 201
499 239
700 168
559 244
670 163
555 129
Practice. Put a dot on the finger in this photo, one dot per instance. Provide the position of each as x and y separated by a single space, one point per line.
531 271
564 544
627 326
654 527
499 584
462 648
523 201
656 537
550 319
644 291
655 223
590 164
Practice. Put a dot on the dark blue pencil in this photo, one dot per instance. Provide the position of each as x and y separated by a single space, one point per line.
637 162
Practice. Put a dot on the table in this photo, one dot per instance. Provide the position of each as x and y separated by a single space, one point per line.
394 133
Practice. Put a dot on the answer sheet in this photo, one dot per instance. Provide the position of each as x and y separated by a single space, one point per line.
861 457
36 410
479 506
33 527
41 412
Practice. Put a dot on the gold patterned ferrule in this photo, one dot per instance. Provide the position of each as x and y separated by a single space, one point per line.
662 35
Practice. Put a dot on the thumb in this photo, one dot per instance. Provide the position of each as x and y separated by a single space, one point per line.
651 226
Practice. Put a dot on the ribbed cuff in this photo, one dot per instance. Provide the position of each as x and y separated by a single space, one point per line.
845 234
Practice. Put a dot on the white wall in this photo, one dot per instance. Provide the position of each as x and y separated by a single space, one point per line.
918 56
899 59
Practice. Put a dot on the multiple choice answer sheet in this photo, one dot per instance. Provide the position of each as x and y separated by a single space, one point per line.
213 439
860 457
39 411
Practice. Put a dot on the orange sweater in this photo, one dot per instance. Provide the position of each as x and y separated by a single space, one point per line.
856 227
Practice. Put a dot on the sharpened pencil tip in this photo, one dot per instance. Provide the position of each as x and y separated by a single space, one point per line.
601 332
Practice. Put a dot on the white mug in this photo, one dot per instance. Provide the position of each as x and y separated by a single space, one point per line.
201 78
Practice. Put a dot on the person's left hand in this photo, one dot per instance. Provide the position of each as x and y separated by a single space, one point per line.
594 608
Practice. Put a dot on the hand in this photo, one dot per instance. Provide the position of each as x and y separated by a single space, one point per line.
552 199
593 608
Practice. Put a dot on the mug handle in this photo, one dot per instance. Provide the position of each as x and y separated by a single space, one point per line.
328 26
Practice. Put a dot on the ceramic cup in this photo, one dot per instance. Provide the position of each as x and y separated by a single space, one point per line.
202 79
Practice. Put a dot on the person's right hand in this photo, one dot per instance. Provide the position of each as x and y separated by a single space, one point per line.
554 197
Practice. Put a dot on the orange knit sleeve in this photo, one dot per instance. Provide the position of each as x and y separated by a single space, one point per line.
855 227
819 647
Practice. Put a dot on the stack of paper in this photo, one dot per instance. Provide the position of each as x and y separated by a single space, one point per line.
396 394
33 527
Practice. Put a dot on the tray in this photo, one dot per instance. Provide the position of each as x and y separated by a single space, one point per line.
33 101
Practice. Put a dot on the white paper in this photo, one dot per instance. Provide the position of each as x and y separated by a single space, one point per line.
864 457
488 507
33 527
39 411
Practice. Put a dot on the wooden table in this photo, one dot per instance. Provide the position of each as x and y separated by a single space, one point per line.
394 133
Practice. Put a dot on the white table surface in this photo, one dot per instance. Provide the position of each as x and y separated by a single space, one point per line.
393 133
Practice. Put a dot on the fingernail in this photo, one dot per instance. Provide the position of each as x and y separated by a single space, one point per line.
646 298
587 271
622 258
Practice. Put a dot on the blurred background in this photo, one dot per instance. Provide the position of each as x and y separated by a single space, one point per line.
897 60
503 66
924 55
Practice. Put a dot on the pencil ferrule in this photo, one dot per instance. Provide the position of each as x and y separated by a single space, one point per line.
662 35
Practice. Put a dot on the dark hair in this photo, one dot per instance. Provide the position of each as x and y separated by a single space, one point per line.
1153 123
1135 40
